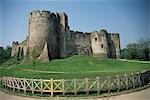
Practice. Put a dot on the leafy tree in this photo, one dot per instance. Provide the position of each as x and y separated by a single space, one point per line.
5 54
35 55
2 54
139 50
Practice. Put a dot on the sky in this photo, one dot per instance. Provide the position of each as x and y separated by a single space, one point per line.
129 18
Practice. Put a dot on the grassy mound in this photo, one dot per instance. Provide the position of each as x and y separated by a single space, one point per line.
75 67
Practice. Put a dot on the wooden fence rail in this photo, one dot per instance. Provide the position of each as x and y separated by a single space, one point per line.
73 85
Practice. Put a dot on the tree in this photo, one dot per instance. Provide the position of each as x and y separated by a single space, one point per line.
5 54
35 54
139 50
2 54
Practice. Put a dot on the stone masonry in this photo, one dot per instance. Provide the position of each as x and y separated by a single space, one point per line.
49 37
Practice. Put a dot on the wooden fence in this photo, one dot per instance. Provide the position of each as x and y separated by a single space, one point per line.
74 86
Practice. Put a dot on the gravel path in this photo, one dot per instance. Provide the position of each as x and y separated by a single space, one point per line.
139 95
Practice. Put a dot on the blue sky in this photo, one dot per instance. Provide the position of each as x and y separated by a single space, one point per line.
130 18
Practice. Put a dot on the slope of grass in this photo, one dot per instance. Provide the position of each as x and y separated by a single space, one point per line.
75 67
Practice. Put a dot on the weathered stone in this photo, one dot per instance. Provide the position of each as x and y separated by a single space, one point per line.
19 50
44 55
49 33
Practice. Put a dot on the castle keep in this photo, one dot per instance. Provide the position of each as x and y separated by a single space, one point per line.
49 37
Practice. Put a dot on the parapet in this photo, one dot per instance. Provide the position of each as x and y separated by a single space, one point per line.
79 32
103 30
63 14
116 35
72 31
15 43
87 33
53 15
38 13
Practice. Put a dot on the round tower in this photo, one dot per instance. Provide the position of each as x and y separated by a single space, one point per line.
104 43
41 32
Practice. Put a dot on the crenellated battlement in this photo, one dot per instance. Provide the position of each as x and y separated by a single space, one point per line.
15 43
103 30
45 13
116 35
38 13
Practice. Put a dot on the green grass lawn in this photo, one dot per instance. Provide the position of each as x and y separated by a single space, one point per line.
75 67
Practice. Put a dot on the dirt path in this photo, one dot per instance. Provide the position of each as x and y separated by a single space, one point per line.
148 62
56 72
139 95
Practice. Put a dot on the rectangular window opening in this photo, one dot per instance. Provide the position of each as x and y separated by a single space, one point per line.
101 45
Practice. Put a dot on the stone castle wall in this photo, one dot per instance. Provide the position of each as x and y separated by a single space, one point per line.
116 42
83 43
49 37
19 49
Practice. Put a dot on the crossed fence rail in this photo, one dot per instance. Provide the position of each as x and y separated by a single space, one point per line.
87 85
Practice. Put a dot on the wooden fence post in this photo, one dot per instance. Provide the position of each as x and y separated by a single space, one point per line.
52 88
63 87
126 81
4 79
13 83
133 80
5 82
32 86
139 79
109 84
18 80
41 86
87 86
10 82
98 85
24 85
118 83
75 87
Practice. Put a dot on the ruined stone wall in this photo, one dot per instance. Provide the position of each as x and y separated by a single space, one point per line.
63 34
99 43
69 43
116 42
19 49
14 50
23 47
83 43
111 47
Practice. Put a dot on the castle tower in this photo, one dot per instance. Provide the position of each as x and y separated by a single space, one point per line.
99 43
63 35
63 21
104 43
14 50
116 42
42 31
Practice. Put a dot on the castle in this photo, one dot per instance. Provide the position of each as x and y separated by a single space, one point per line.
49 37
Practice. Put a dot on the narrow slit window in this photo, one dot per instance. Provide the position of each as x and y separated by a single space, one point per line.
102 45
95 39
